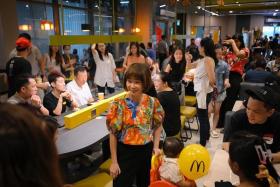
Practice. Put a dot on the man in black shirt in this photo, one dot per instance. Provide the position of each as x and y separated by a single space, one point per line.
57 100
18 65
260 118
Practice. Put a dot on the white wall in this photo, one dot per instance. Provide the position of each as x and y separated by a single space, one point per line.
227 23
256 21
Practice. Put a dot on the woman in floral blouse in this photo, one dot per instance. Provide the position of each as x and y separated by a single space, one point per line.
135 124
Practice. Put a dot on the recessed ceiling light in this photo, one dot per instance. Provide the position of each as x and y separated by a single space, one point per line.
274 14
230 11
27 6
161 6
236 2
239 4
198 7
178 0
195 12
276 10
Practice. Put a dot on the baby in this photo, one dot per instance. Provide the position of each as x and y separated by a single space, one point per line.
169 170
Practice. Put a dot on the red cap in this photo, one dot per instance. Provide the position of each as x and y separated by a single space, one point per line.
23 43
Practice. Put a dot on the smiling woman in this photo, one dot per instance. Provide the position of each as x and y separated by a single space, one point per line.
135 124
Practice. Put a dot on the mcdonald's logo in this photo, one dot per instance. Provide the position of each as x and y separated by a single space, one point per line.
197 165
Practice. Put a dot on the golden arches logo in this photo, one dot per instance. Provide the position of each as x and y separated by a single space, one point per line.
197 166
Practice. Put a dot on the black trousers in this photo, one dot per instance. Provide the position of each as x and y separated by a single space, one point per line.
102 89
161 57
232 95
203 119
134 162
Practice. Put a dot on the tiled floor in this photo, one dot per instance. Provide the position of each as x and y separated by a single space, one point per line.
212 146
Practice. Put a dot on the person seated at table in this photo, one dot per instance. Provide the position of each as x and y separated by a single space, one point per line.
28 154
135 123
170 102
259 117
169 169
79 87
57 100
26 90
258 75
249 159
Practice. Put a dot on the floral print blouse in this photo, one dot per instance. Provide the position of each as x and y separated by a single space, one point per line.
134 125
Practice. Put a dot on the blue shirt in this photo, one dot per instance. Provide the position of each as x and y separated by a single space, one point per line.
151 54
222 73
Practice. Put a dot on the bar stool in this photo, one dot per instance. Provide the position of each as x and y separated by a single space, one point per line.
190 113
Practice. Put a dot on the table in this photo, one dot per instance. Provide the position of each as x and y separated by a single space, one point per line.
79 139
220 170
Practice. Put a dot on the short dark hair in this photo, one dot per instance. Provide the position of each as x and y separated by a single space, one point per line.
22 80
66 46
163 37
172 147
242 150
141 72
79 69
25 35
240 38
261 64
150 45
165 77
54 75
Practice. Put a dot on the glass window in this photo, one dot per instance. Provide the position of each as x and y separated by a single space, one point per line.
30 17
268 30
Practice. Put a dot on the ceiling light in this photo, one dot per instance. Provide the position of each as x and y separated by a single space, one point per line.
198 7
27 6
274 14
276 10
195 12
239 4
236 2
67 1
124 2
161 6
230 11
178 0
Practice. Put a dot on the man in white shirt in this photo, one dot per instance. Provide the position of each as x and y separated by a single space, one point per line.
79 87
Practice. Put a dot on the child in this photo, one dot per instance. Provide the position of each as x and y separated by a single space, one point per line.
250 160
222 83
169 170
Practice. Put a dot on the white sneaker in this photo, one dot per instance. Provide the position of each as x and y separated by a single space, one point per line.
214 134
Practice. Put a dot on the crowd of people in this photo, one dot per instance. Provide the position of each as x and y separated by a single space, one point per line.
154 81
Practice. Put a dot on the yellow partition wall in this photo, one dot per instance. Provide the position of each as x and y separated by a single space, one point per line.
81 116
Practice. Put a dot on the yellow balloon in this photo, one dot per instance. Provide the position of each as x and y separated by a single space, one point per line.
194 161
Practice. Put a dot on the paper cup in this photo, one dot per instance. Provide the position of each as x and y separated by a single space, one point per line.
100 95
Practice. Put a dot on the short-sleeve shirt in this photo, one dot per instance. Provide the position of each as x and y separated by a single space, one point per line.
50 102
15 67
239 63
269 131
222 73
80 94
104 70
137 130
33 58
169 170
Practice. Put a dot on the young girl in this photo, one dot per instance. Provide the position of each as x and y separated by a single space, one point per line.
222 83
250 160
169 170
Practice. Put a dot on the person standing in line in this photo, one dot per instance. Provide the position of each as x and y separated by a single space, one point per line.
135 125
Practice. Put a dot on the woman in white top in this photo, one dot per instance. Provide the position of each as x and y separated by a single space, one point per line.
105 75
204 83
54 60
